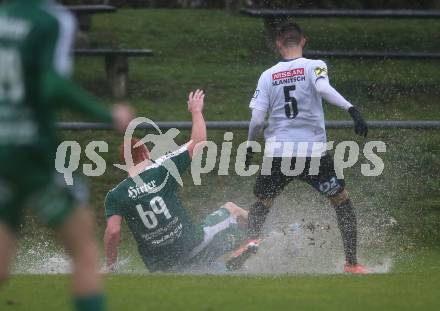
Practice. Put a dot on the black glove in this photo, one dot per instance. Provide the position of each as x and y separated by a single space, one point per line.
360 126
249 157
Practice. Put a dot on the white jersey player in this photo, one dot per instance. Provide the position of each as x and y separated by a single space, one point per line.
290 95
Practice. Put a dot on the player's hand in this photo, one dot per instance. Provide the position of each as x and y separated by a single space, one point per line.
196 101
122 116
249 157
360 126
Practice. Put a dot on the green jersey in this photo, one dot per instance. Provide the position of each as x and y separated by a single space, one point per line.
163 230
35 61
36 37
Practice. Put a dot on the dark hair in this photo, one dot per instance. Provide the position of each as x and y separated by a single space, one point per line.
289 34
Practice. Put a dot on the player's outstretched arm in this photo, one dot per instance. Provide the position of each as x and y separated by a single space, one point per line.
196 101
60 90
122 115
256 126
56 86
112 239
326 91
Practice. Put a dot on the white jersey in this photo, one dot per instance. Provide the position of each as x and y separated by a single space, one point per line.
287 93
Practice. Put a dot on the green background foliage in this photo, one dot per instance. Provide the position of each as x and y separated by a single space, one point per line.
225 53
321 4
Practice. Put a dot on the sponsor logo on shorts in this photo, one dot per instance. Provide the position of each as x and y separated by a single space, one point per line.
330 187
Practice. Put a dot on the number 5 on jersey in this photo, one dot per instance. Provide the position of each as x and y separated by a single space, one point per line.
291 105
158 207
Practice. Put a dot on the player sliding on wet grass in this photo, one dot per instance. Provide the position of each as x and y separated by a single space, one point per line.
290 95
147 200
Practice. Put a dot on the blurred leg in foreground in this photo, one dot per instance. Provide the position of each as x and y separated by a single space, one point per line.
77 236
7 250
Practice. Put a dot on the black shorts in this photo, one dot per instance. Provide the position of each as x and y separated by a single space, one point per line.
325 181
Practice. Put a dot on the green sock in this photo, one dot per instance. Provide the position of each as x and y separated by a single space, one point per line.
90 303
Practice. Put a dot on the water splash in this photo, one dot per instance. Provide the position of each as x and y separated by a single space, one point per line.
41 258
315 249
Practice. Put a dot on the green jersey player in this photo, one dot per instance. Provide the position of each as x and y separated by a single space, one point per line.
35 43
147 200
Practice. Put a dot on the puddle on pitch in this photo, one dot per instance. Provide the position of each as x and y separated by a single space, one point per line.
300 240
